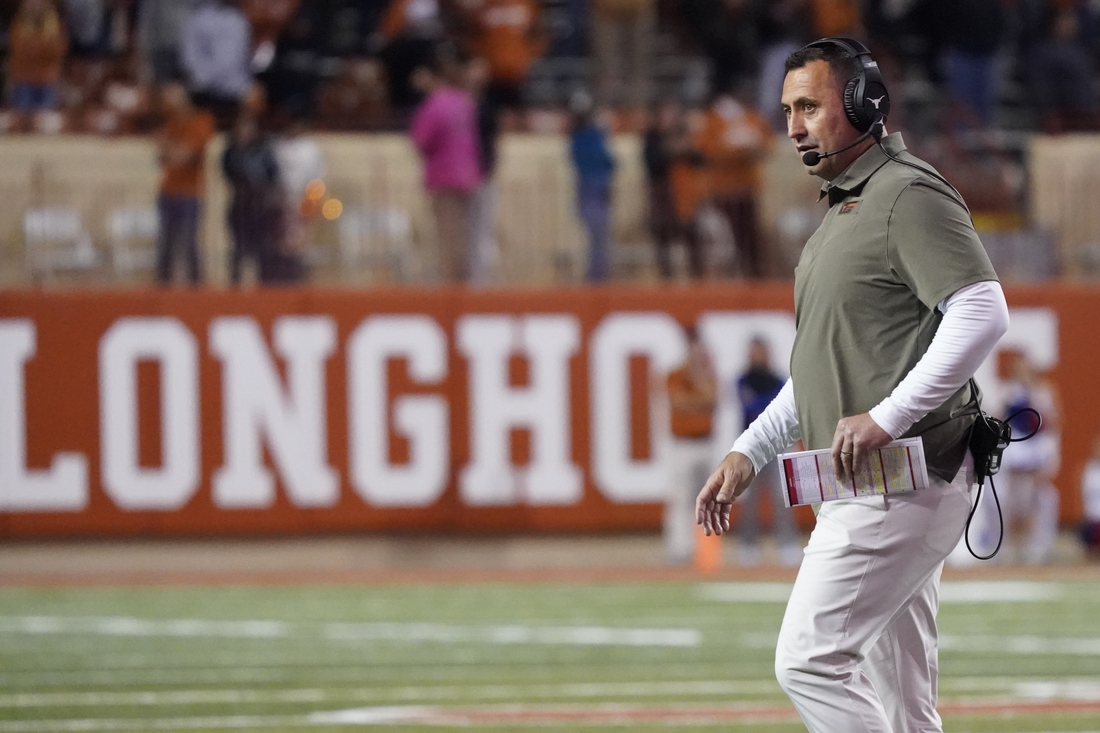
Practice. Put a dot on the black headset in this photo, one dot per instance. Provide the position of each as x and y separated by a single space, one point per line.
866 101
867 104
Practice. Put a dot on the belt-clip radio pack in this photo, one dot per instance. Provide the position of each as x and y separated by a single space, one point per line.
988 439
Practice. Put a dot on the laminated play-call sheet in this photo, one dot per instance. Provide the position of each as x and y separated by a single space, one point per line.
810 476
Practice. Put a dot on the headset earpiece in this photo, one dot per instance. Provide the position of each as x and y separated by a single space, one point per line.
866 100
850 105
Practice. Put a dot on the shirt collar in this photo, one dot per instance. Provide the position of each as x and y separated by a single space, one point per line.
851 181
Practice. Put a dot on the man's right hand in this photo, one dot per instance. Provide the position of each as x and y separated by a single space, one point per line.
729 481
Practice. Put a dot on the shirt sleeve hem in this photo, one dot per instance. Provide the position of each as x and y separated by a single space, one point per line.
888 417
949 290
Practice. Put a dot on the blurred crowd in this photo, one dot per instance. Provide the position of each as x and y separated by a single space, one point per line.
699 78
348 64
694 393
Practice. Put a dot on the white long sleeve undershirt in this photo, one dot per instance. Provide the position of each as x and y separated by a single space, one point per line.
771 432
974 319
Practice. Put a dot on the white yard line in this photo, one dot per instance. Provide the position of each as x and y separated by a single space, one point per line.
1000 591
127 626
515 634
952 591
578 690
133 676
1022 644
164 697
1068 689
69 725
400 632
744 592
512 716
1007 644
738 714
1020 689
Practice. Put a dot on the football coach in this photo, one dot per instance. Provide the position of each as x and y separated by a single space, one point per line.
896 306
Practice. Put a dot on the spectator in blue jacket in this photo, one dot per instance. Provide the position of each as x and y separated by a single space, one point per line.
594 165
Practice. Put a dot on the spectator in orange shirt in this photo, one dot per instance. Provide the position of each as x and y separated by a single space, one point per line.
736 140
836 18
692 396
38 46
667 156
506 33
181 148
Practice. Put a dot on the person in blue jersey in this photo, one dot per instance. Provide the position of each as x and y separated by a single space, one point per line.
756 388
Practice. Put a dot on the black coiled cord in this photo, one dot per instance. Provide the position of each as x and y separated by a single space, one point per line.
993 486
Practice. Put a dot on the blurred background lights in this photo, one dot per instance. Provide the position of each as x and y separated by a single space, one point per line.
332 209
315 189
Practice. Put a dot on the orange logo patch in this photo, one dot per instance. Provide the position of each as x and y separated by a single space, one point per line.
850 207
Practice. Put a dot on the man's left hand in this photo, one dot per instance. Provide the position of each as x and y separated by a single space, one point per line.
854 440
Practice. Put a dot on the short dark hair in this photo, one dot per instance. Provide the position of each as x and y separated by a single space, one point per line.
844 65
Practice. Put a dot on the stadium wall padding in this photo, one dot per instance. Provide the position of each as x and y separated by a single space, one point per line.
206 412
377 177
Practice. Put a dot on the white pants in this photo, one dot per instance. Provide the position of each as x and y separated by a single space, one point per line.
857 649
1029 500
691 463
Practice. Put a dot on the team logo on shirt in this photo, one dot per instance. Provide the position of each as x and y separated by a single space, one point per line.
850 207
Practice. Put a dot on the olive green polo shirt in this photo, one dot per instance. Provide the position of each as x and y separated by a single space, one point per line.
893 245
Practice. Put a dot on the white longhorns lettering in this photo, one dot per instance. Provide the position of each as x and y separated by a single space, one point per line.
542 407
257 407
423 420
172 346
619 336
63 487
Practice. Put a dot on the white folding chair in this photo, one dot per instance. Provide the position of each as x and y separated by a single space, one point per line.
377 238
56 240
133 231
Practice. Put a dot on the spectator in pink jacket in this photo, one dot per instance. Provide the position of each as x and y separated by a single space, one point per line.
444 130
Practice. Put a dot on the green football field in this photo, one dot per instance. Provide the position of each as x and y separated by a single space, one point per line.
1016 655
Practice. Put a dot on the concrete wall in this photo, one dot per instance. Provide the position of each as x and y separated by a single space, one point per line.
540 238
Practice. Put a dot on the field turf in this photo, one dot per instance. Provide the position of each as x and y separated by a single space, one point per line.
1016 656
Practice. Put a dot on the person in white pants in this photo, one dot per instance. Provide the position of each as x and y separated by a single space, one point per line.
896 306
1028 467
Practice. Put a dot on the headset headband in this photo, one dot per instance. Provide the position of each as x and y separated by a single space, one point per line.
850 45
866 100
